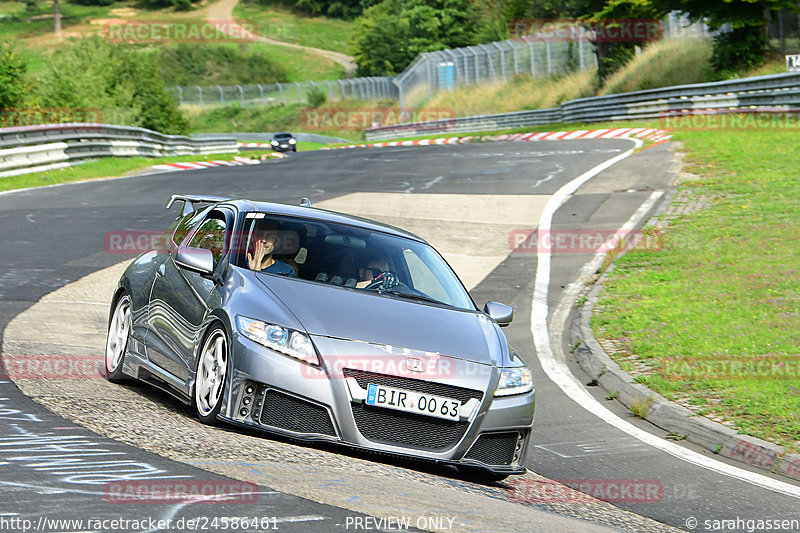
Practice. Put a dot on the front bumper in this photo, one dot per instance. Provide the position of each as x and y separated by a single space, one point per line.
275 393
284 147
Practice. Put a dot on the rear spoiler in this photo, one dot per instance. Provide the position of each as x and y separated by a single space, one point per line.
191 201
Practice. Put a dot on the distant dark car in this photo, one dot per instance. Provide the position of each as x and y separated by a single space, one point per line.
394 358
284 142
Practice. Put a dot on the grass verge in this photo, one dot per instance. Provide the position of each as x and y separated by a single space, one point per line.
284 117
281 24
715 313
108 167
673 62
520 93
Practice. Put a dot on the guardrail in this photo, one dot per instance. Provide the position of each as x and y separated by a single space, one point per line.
775 91
38 148
267 135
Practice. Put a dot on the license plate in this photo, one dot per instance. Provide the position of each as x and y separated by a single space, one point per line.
413 402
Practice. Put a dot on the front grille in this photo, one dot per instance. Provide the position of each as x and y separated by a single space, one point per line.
408 429
294 414
494 448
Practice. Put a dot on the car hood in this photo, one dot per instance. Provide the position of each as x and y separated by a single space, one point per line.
349 314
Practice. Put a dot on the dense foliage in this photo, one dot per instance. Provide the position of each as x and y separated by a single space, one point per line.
344 9
217 64
13 85
178 4
742 40
122 82
391 34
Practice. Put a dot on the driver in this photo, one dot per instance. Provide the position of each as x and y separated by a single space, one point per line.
266 238
374 268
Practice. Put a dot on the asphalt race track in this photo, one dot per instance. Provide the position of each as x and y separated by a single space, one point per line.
473 202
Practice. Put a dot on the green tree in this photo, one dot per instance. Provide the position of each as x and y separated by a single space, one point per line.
345 9
94 74
380 41
742 41
13 84
613 55
391 34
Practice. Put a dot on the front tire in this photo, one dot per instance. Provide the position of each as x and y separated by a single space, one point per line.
212 370
119 330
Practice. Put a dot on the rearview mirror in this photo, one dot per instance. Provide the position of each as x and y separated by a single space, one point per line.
196 259
501 313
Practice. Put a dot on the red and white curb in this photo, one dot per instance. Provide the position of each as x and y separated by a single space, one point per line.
254 145
237 161
650 134
616 133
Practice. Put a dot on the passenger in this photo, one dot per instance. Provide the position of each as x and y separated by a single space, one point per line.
266 238
374 268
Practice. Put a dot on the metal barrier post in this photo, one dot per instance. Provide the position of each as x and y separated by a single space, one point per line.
502 60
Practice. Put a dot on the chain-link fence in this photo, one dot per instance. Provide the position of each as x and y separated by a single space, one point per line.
432 72
304 92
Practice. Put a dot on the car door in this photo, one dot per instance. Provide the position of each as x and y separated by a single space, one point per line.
180 299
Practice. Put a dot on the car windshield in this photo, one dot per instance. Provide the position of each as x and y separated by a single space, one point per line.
351 257
282 136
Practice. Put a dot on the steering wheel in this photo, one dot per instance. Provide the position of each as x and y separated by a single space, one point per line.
384 281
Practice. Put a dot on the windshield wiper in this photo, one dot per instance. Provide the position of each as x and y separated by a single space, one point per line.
413 296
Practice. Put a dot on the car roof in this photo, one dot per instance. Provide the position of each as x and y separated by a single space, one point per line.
319 215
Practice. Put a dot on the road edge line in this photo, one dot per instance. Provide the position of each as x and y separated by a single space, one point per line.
558 371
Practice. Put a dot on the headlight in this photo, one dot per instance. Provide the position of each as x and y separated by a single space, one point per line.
284 340
274 142
292 141
516 380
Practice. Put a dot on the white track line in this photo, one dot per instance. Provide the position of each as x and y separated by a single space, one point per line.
558 371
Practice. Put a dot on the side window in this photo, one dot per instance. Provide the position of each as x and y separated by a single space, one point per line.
423 279
185 226
211 236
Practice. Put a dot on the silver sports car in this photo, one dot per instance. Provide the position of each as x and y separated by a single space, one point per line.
322 327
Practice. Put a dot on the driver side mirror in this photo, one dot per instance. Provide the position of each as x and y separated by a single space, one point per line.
198 260
501 313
